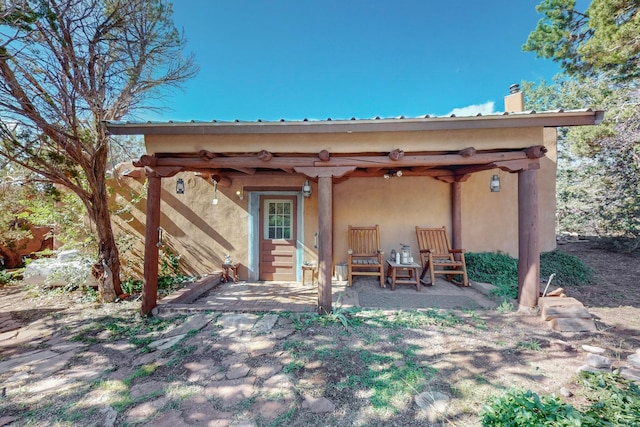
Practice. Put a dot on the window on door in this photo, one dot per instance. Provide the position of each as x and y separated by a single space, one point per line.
278 221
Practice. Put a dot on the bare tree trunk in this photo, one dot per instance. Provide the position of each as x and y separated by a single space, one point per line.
106 270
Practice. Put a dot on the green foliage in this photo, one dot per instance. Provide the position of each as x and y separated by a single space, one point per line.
558 34
501 270
341 314
604 38
170 277
5 278
526 409
598 182
505 307
497 268
612 401
568 269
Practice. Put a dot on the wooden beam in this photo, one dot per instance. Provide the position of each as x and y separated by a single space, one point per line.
152 226
265 156
233 162
205 154
325 244
313 172
248 171
528 239
518 165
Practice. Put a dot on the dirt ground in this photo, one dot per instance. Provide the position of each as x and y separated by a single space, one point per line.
379 371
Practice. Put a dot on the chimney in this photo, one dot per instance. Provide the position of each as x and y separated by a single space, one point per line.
514 102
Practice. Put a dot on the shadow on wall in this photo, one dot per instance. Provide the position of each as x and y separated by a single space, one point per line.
129 203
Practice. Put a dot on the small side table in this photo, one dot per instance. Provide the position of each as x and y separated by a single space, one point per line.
230 268
309 267
408 274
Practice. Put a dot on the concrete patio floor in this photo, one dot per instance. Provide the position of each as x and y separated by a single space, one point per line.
296 297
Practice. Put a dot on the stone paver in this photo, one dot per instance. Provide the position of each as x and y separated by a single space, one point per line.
265 324
237 370
199 411
167 343
26 359
194 323
230 392
318 405
146 410
237 321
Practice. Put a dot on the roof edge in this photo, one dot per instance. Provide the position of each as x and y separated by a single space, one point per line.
558 118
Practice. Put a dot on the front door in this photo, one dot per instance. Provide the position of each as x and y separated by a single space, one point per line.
278 238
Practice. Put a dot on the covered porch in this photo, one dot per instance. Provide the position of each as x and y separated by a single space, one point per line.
299 298
346 161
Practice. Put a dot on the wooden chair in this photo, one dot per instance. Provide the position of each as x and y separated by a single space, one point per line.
438 257
365 254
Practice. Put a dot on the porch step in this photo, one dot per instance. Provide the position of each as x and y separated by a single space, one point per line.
566 314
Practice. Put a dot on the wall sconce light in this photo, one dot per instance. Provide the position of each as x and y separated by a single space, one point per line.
160 235
392 173
180 186
215 192
494 184
306 188
240 193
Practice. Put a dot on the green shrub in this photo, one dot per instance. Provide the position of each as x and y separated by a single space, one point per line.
569 269
612 401
5 278
526 409
501 270
497 268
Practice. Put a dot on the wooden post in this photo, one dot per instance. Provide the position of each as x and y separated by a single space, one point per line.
325 223
528 239
456 215
325 243
150 281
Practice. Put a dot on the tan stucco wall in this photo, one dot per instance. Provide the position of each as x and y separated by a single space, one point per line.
415 141
202 234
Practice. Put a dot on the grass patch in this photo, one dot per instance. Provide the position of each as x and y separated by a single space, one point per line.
410 318
529 345
141 372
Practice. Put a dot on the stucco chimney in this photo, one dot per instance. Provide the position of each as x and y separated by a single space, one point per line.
514 102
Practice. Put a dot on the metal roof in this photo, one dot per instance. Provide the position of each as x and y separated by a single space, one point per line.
555 118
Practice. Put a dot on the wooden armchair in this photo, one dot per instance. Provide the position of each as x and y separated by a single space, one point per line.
365 254
438 257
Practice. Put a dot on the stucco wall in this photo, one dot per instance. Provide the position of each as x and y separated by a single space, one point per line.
202 234
416 141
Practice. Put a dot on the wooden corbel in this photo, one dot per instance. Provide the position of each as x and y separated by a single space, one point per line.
162 171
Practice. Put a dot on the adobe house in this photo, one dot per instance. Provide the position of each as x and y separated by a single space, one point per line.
236 188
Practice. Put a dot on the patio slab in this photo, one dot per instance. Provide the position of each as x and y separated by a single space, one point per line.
365 292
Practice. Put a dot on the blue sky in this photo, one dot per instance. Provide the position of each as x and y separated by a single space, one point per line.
317 59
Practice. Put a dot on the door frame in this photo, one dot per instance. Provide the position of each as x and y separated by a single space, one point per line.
253 236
